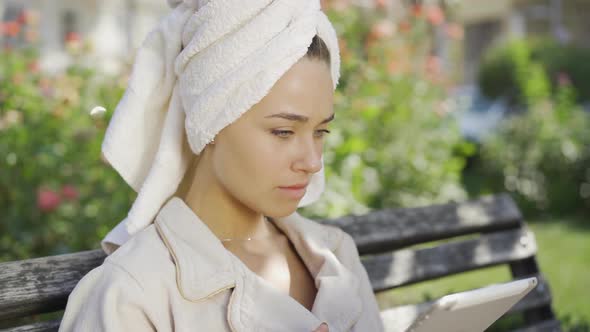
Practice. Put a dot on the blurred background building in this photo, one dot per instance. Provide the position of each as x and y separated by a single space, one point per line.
113 28
487 22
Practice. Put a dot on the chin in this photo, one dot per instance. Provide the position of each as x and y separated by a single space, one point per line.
281 210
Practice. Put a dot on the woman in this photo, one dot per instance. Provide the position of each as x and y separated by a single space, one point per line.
213 241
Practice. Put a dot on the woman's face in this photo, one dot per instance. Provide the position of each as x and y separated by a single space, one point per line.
278 142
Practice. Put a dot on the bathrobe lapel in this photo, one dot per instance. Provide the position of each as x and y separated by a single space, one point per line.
204 268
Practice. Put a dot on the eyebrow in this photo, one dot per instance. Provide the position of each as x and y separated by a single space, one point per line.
298 118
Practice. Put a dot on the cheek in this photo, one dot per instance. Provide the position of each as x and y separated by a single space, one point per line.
252 170
251 164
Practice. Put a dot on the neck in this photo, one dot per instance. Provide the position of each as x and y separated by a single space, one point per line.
224 214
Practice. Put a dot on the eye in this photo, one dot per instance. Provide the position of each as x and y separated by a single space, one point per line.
322 132
282 133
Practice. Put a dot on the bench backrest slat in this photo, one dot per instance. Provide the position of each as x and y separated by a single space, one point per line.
391 229
408 266
49 326
41 285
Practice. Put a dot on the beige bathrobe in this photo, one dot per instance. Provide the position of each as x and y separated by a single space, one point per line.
175 275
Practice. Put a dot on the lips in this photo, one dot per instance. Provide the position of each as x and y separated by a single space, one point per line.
297 186
294 192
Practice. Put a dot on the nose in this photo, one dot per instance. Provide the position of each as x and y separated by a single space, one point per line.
310 158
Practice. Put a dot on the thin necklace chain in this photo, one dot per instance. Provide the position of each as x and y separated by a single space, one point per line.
248 238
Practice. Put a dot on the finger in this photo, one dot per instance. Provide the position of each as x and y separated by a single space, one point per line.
322 328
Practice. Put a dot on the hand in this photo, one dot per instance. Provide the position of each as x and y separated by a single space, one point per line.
322 328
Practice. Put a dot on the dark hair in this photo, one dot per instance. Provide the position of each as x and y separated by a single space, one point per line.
318 50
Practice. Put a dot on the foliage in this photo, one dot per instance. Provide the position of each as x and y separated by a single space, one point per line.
55 192
393 142
543 155
562 63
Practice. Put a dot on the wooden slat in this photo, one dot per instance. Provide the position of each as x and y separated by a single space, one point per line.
51 326
389 229
545 326
42 284
409 266
399 318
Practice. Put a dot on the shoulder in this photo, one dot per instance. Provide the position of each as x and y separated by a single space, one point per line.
132 265
333 237
341 244
105 279
121 291
145 258
346 251
107 298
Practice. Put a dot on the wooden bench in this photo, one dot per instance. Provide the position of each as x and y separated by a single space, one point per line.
386 240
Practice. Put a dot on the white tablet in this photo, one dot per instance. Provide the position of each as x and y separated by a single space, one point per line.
473 310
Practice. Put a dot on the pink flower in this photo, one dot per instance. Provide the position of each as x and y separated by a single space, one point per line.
47 200
11 28
69 192
433 65
435 15
72 37
417 10
383 4
381 30
22 18
393 66
404 26
73 41
33 67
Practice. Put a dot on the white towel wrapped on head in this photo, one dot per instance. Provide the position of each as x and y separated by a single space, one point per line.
204 65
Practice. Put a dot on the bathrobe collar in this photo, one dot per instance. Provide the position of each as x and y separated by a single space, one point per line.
204 267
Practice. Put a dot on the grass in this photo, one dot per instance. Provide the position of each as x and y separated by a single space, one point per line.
564 259
564 256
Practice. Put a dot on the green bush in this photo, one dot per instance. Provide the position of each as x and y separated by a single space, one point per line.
56 195
497 76
542 155
393 143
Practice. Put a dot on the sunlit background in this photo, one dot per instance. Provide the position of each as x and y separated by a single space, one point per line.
439 101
